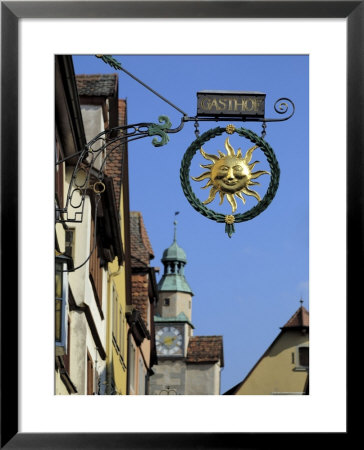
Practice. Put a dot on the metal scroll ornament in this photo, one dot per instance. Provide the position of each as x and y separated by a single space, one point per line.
230 175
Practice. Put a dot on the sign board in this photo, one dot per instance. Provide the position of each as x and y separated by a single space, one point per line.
230 104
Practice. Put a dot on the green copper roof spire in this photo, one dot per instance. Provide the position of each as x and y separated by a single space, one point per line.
175 231
174 259
175 226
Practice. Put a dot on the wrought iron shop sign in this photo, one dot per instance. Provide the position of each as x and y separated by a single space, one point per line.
230 104
229 175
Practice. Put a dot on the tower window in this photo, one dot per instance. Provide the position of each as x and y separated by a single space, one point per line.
303 356
166 302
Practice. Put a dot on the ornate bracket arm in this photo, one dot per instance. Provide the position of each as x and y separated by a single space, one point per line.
160 130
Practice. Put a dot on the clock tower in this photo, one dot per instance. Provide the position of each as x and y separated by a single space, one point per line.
173 326
187 364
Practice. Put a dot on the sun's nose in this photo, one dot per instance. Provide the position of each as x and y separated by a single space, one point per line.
230 175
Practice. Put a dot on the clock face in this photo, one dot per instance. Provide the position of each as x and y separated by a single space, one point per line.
169 341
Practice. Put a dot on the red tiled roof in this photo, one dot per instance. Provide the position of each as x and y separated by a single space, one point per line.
140 297
299 319
114 164
205 349
141 249
97 85
141 254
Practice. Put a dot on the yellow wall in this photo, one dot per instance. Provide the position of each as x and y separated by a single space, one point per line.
277 371
117 345
117 340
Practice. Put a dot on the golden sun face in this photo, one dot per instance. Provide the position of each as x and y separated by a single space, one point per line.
230 175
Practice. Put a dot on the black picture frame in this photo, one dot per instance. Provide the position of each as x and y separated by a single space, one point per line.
11 13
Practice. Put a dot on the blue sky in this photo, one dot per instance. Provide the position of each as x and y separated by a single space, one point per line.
245 288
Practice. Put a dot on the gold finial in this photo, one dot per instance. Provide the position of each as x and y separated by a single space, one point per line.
229 219
230 129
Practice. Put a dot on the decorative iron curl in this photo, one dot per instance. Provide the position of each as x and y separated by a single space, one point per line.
281 106
218 217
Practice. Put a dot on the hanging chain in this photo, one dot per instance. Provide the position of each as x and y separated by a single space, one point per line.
197 131
264 127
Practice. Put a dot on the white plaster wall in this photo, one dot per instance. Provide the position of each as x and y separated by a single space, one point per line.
60 388
98 363
203 379
78 351
93 120
168 373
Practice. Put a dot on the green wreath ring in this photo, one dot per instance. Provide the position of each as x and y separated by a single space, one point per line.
223 218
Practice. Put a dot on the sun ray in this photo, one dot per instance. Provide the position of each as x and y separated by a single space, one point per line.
222 155
212 195
232 201
251 166
201 177
206 166
229 148
240 195
259 173
209 183
249 153
222 195
239 154
247 191
212 158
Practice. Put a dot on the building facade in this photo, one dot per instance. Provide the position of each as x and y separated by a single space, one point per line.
284 367
91 237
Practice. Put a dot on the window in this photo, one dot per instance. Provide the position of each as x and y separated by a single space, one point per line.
166 302
69 244
66 358
61 302
121 331
90 375
303 356
131 367
59 183
114 314
141 380
95 266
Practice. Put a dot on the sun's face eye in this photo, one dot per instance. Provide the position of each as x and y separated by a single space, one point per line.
220 172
